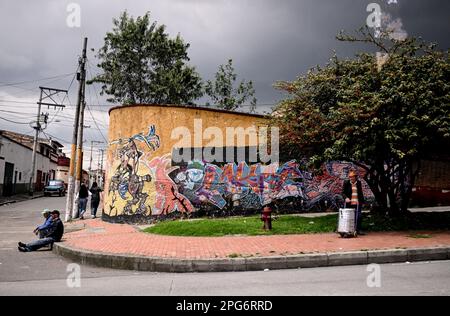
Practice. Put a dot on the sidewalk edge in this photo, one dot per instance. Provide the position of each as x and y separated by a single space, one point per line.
315 260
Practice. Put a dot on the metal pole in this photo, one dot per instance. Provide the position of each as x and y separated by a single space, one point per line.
97 174
91 175
101 169
79 169
36 139
80 101
90 165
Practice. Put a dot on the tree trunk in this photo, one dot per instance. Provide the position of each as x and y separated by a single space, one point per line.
373 181
413 171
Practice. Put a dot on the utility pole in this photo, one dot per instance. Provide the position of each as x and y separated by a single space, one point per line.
80 102
100 181
46 93
79 169
101 168
90 163
97 174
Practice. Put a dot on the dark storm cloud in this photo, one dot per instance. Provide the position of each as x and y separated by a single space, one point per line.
269 40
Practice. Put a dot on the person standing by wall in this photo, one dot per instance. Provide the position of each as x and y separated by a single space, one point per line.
354 197
82 200
95 198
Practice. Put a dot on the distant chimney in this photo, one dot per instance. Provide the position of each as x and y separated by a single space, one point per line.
382 58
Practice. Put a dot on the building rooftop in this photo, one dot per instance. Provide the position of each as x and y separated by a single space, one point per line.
27 140
194 107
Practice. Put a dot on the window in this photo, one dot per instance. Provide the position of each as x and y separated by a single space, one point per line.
20 176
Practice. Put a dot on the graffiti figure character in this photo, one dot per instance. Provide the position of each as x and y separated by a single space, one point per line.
126 178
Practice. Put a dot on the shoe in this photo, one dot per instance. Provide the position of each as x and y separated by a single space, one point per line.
22 249
22 245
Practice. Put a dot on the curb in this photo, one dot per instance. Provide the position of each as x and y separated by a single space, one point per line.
17 201
154 264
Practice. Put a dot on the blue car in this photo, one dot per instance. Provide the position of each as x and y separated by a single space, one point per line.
55 187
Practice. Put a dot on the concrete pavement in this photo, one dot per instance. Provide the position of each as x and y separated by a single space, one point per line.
432 278
19 198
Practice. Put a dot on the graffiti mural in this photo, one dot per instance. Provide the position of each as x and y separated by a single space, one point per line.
254 186
324 189
146 186
168 199
126 180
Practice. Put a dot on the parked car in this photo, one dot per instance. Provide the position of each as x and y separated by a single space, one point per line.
55 187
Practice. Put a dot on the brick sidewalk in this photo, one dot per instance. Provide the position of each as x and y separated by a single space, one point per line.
99 236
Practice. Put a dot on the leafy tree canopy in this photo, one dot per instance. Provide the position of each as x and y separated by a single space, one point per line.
141 64
384 112
224 93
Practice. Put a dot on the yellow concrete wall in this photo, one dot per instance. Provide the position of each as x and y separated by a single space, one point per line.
128 121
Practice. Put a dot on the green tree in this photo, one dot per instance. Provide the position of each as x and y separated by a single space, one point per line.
141 64
383 114
224 94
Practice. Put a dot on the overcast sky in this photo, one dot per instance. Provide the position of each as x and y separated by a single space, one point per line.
268 40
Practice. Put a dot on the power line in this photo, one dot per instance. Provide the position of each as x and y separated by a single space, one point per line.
93 87
17 102
67 95
95 122
35 80
69 118
5 119
15 112
57 138
88 107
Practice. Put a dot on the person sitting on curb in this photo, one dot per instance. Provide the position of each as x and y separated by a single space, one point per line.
42 230
55 234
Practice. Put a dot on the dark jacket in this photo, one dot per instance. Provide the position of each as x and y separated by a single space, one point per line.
56 231
95 194
347 191
84 193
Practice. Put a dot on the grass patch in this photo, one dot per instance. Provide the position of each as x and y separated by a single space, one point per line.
250 226
289 224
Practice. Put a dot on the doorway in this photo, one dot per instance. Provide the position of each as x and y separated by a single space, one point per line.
8 184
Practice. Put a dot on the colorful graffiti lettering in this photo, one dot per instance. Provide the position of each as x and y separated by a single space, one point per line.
207 183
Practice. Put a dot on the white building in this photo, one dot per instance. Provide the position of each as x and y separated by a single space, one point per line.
15 162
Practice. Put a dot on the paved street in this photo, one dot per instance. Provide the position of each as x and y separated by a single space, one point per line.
43 273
